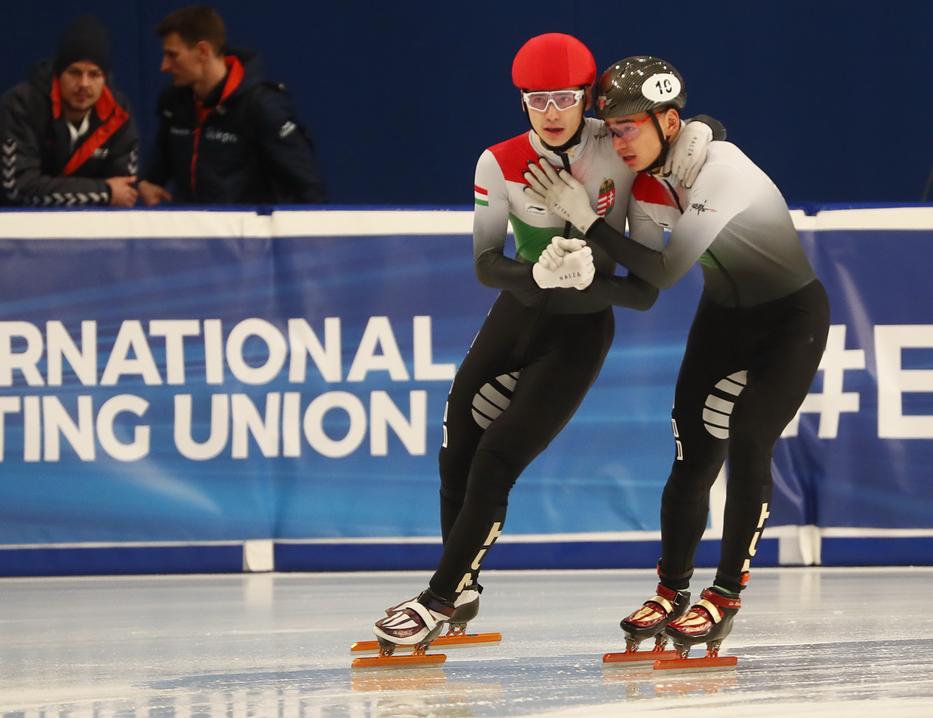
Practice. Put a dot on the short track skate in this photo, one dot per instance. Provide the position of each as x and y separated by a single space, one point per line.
456 636
708 621
649 621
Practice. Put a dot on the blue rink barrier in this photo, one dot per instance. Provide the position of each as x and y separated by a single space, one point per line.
115 560
877 551
234 390
506 555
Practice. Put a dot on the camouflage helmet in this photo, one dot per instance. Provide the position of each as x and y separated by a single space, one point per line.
640 83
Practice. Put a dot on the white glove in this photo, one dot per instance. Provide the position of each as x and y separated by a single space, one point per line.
561 193
551 258
688 153
567 244
553 255
576 271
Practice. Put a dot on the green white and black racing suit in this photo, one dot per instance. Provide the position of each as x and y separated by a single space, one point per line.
538 351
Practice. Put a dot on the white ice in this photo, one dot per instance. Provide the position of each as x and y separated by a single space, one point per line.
810 642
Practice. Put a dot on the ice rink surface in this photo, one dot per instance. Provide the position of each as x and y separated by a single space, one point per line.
811 642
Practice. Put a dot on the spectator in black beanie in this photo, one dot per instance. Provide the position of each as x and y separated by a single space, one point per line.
86 39
67 139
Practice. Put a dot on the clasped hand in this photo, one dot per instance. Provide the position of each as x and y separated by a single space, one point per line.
566 264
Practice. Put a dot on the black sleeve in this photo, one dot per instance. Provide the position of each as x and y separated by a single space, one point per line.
719 129
630 292
625 251
495 270
499 272
23 181
286 150
123 160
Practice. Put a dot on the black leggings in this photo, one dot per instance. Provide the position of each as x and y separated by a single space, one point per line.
518 386
744 374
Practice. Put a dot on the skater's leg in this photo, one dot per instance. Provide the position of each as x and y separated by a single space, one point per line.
568 356
563 359
700 422
698 456
478 395
787 352
490 355
787 361
480 391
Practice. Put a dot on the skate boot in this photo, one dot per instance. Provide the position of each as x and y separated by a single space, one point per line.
415 622
649 621
708 621
466 605
398 606
413 626
466 608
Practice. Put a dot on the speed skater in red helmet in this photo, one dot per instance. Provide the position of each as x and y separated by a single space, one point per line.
543 343
555 73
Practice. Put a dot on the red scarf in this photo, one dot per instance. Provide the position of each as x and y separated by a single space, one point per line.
112 117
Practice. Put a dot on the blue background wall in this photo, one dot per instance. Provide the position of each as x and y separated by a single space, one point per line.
335 487
831 98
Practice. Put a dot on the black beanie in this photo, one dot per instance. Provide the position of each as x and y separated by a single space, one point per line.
85 40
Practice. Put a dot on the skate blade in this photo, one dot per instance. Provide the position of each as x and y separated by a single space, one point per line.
466 640
424 659
690 665
639 656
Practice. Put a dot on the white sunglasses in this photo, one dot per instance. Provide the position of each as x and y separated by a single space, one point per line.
562 99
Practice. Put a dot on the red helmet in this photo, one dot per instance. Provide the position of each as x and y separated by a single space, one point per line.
553 61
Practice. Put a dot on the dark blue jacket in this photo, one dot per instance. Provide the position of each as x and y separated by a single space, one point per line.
243 146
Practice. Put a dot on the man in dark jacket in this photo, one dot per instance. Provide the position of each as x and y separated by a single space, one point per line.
225 136
67 139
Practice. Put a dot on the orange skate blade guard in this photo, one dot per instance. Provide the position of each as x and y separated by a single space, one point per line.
694 664
431 659
469 639
639 656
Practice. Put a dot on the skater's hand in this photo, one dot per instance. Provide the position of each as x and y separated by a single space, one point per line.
553 255
567 244
688 153
580 261
562 245
574 271
561 193
552 258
